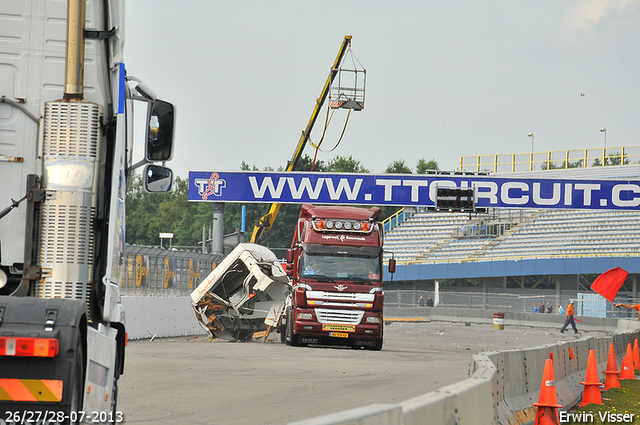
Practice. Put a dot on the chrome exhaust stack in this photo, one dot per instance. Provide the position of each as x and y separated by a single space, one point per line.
70 148
74 68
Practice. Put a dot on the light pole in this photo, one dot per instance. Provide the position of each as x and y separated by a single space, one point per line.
531 161
604 152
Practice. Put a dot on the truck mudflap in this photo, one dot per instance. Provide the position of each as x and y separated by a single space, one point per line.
33 379
244 297
101 378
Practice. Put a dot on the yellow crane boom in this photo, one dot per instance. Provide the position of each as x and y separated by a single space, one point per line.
267 220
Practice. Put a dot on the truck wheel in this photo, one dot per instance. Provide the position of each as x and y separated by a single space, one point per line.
287 332
283 334
77 386
378 345
114 400
379 341
292 338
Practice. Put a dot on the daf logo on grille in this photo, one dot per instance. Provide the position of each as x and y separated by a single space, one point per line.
340 287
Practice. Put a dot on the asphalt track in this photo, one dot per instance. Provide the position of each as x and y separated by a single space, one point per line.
197 381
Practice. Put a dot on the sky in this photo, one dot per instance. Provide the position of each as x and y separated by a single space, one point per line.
444 78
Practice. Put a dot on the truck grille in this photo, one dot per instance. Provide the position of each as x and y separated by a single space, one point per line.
346 317
339 296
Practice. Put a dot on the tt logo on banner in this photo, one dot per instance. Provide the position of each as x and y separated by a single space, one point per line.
212 186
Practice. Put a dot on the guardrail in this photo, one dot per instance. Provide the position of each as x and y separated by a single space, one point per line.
522 301
501 388
400 216
164 272
550 160
519 257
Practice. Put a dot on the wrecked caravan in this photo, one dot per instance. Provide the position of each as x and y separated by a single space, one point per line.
244 296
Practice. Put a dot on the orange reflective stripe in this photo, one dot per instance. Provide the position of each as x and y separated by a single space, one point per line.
55 386
4 395
16 390
30 389
41 391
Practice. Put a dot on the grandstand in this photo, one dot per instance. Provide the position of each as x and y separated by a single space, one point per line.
430 237
555 246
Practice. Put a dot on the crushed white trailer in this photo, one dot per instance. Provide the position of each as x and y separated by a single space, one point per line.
244 296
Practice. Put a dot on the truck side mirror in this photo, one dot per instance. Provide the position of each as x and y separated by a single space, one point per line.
392 265
160 130
157 179
289 265
290 254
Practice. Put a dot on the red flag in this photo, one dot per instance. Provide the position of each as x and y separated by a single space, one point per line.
608 283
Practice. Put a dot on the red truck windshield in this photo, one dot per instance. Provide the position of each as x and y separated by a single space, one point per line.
341 266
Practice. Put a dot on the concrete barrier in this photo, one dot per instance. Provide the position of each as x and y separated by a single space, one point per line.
461 315
469 401
503 385
375 414
160 316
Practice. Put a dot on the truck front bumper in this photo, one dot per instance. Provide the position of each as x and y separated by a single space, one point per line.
369 327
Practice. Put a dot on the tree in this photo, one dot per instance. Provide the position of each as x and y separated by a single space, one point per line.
423 166
554 166
341 164
151 214
245 167
398 166
611 159
305 163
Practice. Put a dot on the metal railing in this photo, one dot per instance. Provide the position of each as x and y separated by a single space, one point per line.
399 217
154 271
590 305
518 258
575 158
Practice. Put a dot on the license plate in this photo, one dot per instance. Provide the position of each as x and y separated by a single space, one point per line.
337 327
339 334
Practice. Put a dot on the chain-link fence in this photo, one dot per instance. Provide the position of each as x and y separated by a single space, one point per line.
153 271
591 305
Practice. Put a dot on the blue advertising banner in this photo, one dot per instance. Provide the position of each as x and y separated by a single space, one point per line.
409 190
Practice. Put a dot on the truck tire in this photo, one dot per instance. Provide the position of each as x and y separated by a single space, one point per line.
77 386
379 341
292 338
378 345
114 400
287 332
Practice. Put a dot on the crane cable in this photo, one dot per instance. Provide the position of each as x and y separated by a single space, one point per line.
324 131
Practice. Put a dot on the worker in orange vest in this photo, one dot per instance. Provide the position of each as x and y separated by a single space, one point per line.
569 319
629 306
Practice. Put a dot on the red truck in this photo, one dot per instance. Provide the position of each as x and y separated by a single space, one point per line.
335 266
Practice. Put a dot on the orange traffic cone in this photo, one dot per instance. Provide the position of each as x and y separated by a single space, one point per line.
547 404
626 372
612 379
591 393
636 355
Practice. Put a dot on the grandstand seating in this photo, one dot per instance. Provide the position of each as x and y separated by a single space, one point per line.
438 237
421 232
